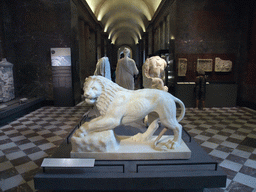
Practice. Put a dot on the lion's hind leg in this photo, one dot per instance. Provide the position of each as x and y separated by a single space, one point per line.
141 137
177 130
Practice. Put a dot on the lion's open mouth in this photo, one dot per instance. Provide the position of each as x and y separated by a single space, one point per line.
90 100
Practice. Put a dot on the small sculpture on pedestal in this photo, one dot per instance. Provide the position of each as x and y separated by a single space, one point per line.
125 71
121 106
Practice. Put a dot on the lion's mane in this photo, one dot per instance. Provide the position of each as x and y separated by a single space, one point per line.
109 90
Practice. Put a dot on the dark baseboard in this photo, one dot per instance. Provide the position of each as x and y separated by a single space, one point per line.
15 109
48 103
248 104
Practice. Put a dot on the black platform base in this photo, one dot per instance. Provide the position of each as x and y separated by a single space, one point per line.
194 174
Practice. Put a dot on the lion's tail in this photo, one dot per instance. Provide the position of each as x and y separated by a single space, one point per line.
183 109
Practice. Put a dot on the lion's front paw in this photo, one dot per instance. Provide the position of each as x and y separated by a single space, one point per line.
84 127
78 133
81 132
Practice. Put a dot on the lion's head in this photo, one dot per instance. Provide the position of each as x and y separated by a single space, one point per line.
92 90
100 91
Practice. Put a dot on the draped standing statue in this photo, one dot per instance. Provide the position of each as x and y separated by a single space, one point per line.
125 71
103 68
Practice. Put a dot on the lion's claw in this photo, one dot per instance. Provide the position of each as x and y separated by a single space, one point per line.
139 137
80 132
170 144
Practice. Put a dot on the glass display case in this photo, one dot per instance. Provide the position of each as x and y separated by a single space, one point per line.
6 81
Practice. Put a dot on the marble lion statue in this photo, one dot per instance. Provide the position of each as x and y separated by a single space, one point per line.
118 106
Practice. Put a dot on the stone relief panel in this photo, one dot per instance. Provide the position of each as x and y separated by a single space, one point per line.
222 65
182 67
204 64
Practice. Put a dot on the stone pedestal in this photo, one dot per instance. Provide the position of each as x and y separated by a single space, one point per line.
6 81
131 150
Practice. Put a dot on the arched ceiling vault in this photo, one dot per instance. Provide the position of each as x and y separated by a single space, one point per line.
125 25
126 33
124 20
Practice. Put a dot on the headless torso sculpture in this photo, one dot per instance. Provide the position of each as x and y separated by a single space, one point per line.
153 71
125 71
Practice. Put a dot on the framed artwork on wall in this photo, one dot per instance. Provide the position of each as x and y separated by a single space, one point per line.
61 57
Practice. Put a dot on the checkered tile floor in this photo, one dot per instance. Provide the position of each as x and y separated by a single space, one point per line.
227 134
25 142
223 133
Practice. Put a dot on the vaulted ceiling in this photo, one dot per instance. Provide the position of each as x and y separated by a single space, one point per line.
124 20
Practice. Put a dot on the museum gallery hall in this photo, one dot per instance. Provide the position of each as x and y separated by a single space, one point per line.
97 81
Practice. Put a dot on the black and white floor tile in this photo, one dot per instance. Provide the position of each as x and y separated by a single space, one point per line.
229 137
227 134
26 141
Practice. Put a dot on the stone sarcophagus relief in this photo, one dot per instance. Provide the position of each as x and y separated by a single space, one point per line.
6 81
